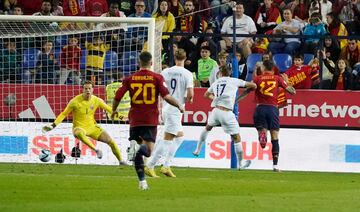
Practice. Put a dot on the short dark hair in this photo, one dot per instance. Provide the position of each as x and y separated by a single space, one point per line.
268 65
145 59
298 56
205 48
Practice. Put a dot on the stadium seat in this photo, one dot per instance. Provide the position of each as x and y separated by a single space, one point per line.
111 61
282 61
308 58
128 62
251 61
30 58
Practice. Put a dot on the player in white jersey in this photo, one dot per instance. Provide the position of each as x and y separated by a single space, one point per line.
180 84
223 93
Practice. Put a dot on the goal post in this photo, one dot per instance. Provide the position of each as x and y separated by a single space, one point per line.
41 67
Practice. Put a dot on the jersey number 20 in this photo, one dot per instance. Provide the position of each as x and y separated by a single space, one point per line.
147 91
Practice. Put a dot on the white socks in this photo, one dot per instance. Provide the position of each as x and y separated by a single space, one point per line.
161 148
172 150
239 152
201 141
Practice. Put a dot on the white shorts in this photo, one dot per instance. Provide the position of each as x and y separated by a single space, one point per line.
172 122
226 119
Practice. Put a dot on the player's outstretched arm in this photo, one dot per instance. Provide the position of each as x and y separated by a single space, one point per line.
189 95
171 100
58 119
242 96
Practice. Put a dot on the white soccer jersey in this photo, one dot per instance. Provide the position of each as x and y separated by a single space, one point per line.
178 79
224 90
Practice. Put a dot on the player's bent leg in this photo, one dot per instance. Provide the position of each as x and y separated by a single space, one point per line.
80 134
262 137
105 137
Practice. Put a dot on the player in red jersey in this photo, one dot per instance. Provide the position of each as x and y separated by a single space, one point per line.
266 116
302 76
144 88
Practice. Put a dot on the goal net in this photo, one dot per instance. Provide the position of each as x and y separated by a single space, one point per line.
44 60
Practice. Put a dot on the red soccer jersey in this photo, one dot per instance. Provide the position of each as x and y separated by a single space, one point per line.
268 88
144 87
70 57
301 77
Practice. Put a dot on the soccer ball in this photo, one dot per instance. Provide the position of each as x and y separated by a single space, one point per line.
45 155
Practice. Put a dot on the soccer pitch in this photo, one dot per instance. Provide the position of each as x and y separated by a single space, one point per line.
58 187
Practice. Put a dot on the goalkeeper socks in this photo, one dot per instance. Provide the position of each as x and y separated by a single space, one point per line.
115 150
275 151
175 144
239 152
82 137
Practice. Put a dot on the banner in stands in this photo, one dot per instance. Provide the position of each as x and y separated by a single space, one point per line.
301 149
318 108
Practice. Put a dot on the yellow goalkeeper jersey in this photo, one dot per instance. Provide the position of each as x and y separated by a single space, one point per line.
83 111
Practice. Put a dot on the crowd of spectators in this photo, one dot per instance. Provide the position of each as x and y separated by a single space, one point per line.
311 27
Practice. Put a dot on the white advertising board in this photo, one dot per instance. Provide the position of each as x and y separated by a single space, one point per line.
300 149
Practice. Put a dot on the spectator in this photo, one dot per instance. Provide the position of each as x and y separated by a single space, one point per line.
18 10
315 28
289 26
244 25
267 17
8 7
299 9
45 10
190 22
342 78
348 12
260 45
302 76
326 7
351 53
314 7
332 48
30 7
336 28
10 63
176 8
96 7
47 65
140 10
163 14
326 75
113 12
96 51
206 66
74 7
70 62
57 10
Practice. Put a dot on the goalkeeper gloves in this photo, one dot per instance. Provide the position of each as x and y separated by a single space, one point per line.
48 127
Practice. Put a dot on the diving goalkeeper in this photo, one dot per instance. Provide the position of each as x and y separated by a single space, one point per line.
83 108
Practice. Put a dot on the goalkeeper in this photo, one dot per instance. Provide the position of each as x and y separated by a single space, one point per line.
83 108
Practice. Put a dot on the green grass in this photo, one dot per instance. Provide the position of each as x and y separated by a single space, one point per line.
45 187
